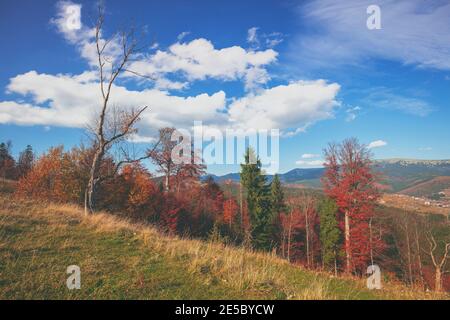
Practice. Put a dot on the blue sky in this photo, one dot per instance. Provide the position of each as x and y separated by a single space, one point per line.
309 68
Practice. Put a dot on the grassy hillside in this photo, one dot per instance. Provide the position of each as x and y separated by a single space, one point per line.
122 260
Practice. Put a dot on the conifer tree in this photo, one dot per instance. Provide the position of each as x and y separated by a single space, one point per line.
277 208
7 162
258 201
330 235
26 159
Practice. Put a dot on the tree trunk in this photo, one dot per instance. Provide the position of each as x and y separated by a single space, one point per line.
86 210
408 247
438 280
335 265
371 242
289 238
307 239
167 181
419 259
348 252
241 205
90 191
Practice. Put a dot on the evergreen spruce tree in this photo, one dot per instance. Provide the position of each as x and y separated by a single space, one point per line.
277 207
258 201
330 234
7 162
26 159
277 196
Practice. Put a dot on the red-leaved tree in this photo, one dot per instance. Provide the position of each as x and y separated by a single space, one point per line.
350 181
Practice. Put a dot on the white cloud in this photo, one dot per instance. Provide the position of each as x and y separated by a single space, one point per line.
165 84
273 42
70 101
64 100
199 60
376 144
182 35
270 40
352 113
60 21
273 39
255 77
420 26
310 164
194 60
291 108
310 156
136 138
252 36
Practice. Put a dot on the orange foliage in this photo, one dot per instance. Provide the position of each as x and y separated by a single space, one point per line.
141 190
45 179
230 210
57 176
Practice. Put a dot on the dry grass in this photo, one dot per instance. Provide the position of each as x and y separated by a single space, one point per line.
213 269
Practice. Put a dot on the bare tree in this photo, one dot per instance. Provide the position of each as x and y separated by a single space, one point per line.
439 264
419 257
308 210
176 158
112 126
162 155
405 226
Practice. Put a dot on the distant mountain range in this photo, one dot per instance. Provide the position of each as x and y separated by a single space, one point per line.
397 174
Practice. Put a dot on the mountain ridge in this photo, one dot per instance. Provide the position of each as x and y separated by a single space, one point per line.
397 173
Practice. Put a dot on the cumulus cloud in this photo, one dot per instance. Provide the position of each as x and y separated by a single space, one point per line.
420 26
65 100
71 101
377 144
310 164
66 11
83 37
191 61
291 108
199 60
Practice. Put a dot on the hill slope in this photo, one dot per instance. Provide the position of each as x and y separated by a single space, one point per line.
122 260
401 174
428 188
